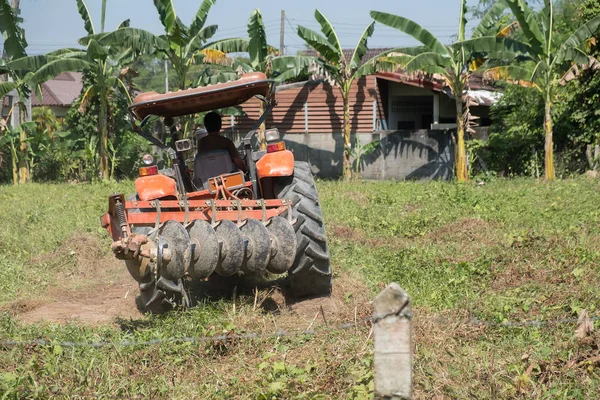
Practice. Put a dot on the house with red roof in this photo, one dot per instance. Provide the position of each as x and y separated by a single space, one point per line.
411 115
58 94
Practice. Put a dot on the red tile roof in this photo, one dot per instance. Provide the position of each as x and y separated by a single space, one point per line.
60 91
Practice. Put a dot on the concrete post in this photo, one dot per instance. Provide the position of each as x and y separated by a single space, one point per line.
374 115
306 117
392 333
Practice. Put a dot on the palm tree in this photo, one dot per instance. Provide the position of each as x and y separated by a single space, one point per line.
455 62
343 72
549 62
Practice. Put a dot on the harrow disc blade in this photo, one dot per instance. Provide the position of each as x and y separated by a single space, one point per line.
283 245
259 246
232 250
174 250
205 249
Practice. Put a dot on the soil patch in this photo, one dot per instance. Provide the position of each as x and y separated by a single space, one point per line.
95 307
95 289
466 230
357 235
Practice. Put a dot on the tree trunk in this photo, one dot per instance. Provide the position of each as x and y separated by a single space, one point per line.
23 165
347 145
548 148
461 152
15 168
103 128
262 140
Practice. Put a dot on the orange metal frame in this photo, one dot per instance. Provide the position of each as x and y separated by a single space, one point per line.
207 210
202 209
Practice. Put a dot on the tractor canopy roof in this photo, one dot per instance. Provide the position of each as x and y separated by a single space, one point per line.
205 98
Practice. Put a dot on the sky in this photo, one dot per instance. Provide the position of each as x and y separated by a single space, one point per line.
53 24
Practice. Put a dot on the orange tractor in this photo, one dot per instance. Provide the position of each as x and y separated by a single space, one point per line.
188 222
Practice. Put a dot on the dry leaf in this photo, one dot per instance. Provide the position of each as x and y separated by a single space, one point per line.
585 326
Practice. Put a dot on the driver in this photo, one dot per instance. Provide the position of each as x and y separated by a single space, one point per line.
214 141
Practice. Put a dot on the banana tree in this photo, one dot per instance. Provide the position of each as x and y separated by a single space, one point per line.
19 83
455 62
12 33
14 48
46 125
184 46
12 139
262 58
97 60
333 64
550 62
102 62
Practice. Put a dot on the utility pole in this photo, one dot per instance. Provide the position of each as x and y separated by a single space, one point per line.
281 33
166 76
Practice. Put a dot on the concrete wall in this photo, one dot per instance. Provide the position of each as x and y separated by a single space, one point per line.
421 154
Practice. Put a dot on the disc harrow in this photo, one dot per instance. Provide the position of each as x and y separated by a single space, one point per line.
173 252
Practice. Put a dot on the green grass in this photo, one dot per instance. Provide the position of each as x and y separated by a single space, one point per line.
515 250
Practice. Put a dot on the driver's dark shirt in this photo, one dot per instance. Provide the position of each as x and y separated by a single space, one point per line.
214 141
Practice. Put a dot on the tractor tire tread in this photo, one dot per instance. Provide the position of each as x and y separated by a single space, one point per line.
310 274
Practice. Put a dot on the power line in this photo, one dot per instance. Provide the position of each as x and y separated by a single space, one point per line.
354 28
354 24
385 29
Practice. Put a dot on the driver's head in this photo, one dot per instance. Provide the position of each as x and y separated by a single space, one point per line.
212 122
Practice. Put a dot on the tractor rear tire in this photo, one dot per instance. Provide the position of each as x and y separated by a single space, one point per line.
310 275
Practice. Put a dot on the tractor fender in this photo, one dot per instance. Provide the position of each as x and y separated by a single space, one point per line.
280 163
154 187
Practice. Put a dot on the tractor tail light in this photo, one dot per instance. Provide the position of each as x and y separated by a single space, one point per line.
273 147
147 171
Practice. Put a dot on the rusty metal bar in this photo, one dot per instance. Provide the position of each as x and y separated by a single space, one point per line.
194 204
150 218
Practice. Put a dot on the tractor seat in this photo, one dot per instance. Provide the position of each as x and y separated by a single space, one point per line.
210 164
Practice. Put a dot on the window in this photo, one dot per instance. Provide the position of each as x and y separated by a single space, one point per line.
406 125
412 104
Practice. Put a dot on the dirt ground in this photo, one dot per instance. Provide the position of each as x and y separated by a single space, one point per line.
99 307
93 305
105 305
102 292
